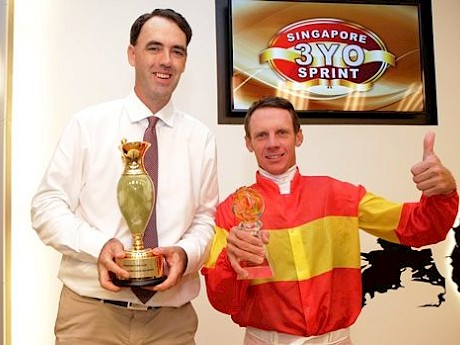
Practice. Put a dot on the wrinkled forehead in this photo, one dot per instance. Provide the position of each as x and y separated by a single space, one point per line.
270 118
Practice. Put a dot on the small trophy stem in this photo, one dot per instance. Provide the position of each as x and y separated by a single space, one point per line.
252 227
138 243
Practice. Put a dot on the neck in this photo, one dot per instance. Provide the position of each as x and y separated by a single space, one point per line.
154 104
283 180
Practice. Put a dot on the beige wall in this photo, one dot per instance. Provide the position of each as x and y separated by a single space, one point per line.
69 54
2 134
5 94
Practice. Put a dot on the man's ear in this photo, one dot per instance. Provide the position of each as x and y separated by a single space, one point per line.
131 55
249 144
299 138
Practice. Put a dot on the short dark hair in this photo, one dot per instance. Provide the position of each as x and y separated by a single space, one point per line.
164 13
272 102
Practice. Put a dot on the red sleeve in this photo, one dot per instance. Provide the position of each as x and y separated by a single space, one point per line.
428 221
225 292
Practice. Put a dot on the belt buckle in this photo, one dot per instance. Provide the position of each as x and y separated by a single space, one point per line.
136 306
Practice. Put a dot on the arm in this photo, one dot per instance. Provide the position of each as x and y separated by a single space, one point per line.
415 224
189 253
54 205
227 292
428 221
438 205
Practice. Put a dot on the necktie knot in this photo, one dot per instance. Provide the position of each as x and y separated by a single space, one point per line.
152 122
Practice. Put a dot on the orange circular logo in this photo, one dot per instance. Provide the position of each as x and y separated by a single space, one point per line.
320 54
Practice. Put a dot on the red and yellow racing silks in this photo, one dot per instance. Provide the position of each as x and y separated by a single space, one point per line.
314 250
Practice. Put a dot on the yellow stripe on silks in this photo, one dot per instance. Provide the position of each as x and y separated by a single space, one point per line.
306 251
300 257
219 242
378 213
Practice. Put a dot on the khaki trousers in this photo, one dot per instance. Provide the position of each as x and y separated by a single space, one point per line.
255 336
88 321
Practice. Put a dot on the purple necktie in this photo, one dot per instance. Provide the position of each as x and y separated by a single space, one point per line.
151 165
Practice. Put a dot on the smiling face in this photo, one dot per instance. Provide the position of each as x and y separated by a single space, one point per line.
158 57
273 140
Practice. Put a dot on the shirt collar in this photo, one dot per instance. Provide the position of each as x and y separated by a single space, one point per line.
138 111
267 184
283 181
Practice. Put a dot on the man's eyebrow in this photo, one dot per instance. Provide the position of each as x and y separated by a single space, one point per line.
157 43
153 43
259 132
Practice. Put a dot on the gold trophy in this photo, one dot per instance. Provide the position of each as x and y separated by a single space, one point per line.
248 206
136 195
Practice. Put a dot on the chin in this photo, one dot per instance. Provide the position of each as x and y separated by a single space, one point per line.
274 171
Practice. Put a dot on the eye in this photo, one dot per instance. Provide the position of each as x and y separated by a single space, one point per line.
261 135
283 132
179 52
153 48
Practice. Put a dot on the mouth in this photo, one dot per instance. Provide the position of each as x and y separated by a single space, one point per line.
162 75
273 156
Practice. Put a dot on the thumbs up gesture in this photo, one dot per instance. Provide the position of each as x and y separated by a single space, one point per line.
430 176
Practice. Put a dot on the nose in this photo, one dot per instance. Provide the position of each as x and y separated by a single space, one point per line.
272 141
165 58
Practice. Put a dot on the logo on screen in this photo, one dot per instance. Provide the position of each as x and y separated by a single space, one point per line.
327 57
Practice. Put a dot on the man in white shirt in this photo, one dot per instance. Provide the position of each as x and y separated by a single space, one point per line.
75 209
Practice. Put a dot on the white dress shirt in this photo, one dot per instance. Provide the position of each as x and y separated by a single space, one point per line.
75 209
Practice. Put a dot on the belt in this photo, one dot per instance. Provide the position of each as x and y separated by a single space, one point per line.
128 305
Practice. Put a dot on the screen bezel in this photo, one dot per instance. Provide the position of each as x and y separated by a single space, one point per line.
428 116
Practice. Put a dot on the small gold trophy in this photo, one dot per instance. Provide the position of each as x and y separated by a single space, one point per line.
136 195
248 206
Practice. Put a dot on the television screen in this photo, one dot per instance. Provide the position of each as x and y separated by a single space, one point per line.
361 62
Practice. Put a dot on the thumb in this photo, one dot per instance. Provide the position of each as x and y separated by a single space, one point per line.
428 145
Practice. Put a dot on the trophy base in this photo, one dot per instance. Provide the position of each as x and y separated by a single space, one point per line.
258 271
138 282
144 268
